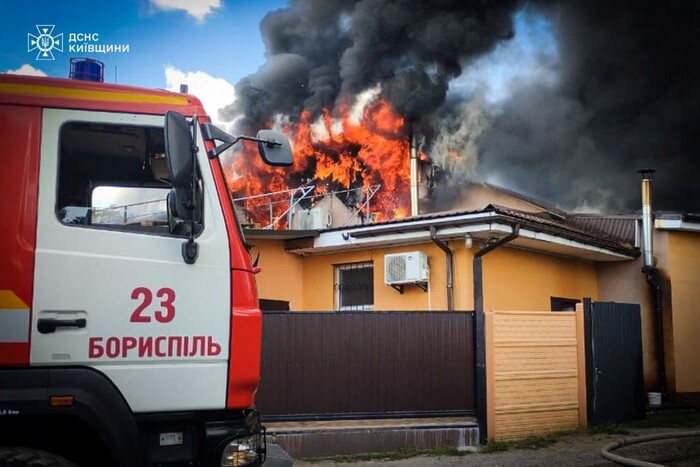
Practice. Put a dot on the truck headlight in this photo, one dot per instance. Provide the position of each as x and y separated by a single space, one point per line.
241 451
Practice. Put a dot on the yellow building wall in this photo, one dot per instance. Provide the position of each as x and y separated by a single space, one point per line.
319 278
684 273
662 258
282 273
319 294
513 279
517 279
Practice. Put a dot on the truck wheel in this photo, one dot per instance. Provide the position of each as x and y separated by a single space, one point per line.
25 457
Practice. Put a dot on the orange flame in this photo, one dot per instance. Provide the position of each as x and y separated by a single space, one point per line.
335 153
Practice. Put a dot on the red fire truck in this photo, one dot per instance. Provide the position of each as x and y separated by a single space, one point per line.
129 320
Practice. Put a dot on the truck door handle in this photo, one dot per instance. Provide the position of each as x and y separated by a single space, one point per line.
49 325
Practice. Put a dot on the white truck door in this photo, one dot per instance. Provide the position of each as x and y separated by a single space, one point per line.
111 289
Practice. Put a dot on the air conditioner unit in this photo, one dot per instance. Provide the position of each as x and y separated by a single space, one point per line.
314 219
406 268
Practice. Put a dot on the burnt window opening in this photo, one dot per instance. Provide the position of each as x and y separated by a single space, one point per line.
354 286
563 304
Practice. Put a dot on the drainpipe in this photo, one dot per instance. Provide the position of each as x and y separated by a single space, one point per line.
479 337
449 261
652 274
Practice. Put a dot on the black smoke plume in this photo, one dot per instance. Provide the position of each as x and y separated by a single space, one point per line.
627 93
628 98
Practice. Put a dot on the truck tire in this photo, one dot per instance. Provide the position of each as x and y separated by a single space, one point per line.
25 457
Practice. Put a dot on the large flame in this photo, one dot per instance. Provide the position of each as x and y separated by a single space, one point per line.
345 149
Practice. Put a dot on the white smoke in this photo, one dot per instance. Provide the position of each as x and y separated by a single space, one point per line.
456 148
361 101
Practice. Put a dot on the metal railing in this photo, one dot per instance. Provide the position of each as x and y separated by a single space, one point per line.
294 196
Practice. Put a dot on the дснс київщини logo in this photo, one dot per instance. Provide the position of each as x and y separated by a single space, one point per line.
45 42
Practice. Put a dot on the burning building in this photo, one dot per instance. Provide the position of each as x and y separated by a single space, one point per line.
372 92
365 146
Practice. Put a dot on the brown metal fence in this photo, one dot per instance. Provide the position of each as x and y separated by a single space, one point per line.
327 365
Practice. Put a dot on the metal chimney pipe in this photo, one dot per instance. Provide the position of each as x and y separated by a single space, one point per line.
413 154
653 275
648 246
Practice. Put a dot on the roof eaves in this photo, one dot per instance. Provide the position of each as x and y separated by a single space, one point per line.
271 234
539 223
533 221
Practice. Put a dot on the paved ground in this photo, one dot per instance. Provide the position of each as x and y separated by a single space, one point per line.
578 449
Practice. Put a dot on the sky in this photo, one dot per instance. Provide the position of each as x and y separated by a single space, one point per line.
210 44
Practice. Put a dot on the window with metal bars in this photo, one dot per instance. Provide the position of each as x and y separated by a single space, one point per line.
354 286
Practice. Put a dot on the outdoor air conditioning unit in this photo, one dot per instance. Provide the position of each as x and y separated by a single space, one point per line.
406 268
314 219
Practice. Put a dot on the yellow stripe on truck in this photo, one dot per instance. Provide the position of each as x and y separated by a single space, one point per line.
69 93
8 300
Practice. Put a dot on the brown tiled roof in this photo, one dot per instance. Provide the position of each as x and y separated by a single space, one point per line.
618 228
612 232
567 228
543 221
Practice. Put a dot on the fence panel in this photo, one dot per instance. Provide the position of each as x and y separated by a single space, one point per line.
535 373
325 365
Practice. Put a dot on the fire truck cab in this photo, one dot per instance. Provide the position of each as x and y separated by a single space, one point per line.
129 320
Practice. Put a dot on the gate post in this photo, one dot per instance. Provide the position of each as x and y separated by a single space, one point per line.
581 366
490 377
480 353
590 375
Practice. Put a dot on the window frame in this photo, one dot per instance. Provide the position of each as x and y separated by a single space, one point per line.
337 287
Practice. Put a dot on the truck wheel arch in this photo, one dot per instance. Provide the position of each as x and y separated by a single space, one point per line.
25 457
98 404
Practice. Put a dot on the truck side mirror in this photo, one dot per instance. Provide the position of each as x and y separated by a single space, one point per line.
180 152
178 149
274 148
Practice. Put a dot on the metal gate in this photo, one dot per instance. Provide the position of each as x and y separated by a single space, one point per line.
614 372
351 365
